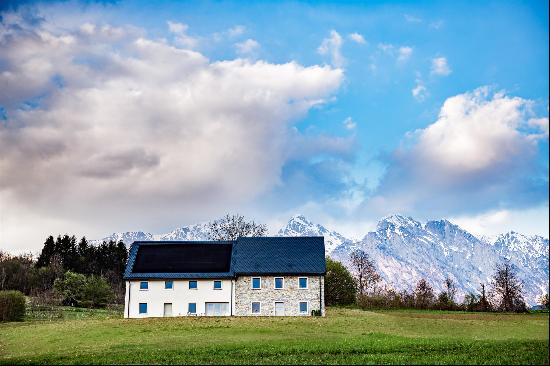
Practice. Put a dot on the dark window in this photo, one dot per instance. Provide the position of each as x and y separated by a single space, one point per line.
182 258
144 285
192 308
302 282
169 284
217 285
256 282
279 282
192 284
143 308
256 307
303 307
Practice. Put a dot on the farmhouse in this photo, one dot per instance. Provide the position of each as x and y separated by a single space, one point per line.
263 276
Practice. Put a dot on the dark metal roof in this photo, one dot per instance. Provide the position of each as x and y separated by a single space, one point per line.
279 255
226 259
179 259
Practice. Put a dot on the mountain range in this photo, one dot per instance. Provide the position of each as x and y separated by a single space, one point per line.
406 250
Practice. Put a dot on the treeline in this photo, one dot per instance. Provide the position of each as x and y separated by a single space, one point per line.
47 277
362 287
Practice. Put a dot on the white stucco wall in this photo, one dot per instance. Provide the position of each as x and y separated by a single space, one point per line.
179 296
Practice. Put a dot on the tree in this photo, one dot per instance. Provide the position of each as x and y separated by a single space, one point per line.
544 300
484 304
232 227
507 289
423 294
471 301
365 273
80 290
339 284
450 290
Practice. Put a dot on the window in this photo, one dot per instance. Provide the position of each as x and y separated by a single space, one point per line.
217 285
303 307
192 308
192 285
217 308
279 282
256 283
144 285
168 285
302 282
256 307
143 308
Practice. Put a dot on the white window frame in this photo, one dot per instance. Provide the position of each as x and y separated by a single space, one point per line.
252 283
275 283
146 308
307 283
251 308
144 289
214 285
307 304
168 281
190 313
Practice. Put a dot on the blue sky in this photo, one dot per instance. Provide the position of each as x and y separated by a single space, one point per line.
343 111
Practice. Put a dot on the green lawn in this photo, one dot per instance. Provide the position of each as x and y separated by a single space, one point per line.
344 336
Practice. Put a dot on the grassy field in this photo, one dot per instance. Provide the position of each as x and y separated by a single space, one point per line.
344 336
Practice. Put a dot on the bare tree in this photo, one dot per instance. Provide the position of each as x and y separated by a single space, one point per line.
544 300
507 289
450 289
423 294
365 272
484 304
232 227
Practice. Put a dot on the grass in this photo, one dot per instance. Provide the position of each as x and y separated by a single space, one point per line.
345 336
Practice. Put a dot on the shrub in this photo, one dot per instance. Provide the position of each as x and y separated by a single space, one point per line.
12 306
339 284
79 290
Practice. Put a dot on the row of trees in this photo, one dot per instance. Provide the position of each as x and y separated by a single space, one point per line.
362 286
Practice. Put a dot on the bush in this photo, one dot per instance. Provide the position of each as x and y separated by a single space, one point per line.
79 290
12 306
339 284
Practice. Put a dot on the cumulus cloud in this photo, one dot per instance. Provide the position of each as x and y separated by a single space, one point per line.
236 31
412 19
357 38
181 36
114 129
419 92
479 154
440 66
349 123
332 46
404 53
247 48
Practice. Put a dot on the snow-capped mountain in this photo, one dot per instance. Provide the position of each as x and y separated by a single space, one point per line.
298 225
406 250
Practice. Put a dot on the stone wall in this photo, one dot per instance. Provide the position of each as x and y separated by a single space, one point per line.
291 295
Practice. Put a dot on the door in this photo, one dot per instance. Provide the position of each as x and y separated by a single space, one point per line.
167 309
217 308
279 308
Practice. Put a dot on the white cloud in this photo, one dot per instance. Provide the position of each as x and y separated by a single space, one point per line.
357 38
349 123
247 48
332 46
181 36
143 134
437 24
236 31
474 157
531 221
440 66
419 92
404 53
412 19
385 47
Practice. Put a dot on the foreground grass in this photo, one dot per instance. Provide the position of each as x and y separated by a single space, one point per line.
344 336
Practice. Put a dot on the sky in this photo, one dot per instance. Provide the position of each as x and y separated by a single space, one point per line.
136 115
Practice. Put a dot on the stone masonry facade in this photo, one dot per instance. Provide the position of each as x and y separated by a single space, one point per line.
291 295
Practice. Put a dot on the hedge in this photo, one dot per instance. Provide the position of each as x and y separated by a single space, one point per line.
12 306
